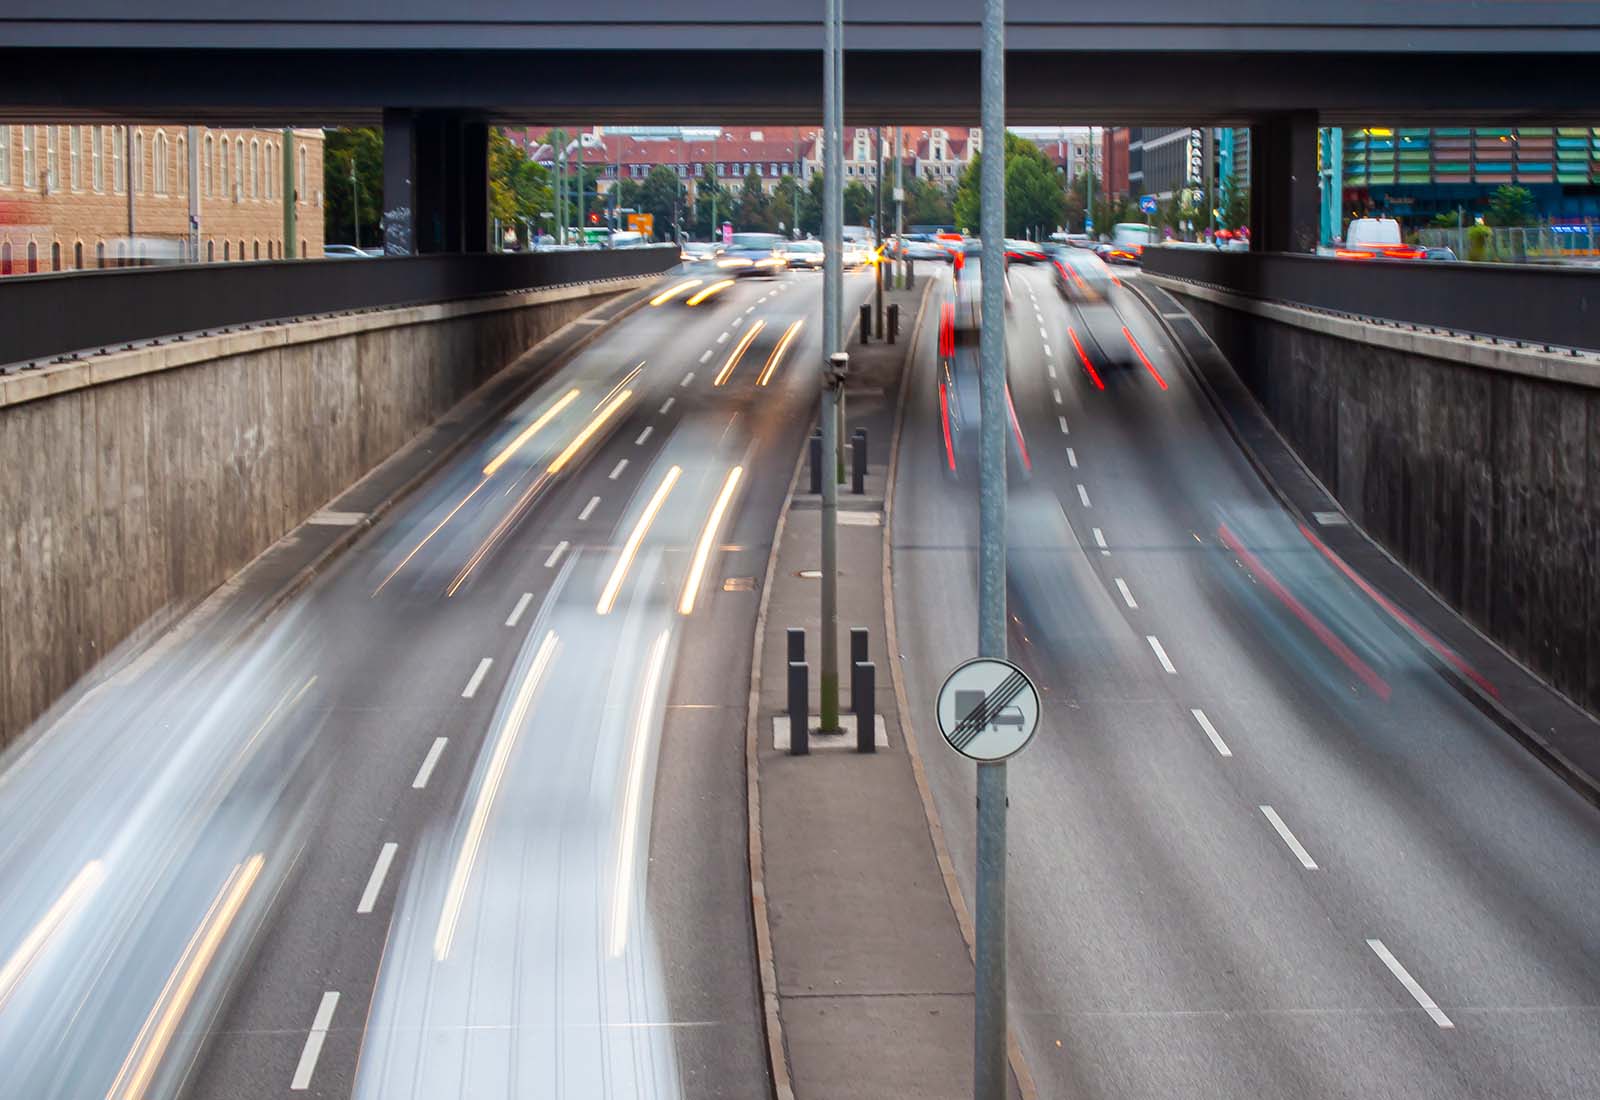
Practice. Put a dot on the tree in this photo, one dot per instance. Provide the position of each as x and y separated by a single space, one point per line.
928 203
661 195
519 189
1511 205
710 198
754 212
859 203
811 206
364 147
785 198
1236 212
1024 194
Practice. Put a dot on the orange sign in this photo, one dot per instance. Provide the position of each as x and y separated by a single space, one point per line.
643 223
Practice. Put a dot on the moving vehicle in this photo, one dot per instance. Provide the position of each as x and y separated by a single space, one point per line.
857 251
695 252
1439 252
1082 277
804 255
344 252
960 317
1376 239
1128 242
1027 252
753 254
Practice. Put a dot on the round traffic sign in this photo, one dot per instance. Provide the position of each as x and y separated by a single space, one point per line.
988 709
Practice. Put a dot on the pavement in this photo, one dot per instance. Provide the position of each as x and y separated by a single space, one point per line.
1260 845
874 979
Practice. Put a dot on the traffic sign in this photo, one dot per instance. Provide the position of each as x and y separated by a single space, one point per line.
988 709
1147 204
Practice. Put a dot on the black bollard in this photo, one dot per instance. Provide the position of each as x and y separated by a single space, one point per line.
858 644
864 700
894 320
816 461
858 462
799 711
866 321
797 644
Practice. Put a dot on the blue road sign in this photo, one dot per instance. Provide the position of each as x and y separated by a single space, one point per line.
1147 204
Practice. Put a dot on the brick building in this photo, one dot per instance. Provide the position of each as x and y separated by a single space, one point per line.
64 201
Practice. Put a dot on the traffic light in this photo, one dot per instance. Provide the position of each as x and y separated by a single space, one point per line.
594 219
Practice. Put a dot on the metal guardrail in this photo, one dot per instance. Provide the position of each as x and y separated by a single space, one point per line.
43 317
1512 303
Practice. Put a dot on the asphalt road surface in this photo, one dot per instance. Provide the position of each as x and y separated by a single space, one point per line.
1258 848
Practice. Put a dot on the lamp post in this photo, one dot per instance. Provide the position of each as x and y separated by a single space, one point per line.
355 202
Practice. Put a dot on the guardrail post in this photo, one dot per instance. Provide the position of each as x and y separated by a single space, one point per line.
816 461
799 710
864 701
858 462
866 322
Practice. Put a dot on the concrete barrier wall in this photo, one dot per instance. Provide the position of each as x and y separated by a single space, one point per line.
1477 466
132 485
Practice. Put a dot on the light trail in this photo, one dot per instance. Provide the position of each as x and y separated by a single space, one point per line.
630 549
528 433
33 944
777 353
633 796
672 292
738 353
606 413
708 536
714 289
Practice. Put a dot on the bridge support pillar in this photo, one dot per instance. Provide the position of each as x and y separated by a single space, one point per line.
1285 215
435 182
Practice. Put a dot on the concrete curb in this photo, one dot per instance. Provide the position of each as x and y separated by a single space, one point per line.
1586 785
947 869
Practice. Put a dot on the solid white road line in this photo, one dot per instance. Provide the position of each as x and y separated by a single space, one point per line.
705 355
555 555
1100 541
1211 731
1072 458
1295 846
477 678
380 870
1161 654
426 771
1127 596
667 405
616 471
1416 991
516 612
1063 422
588 509
644 435
688 377
313 1048
1083 495
723 339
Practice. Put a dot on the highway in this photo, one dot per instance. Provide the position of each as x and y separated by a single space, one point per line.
464 819
1258 847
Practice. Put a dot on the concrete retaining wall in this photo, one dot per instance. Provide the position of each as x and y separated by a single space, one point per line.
1477 466
133 485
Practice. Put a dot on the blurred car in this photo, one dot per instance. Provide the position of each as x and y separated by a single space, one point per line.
343 252
1027 252
926 250
1128 242
857 252
1439 252
1376 239
804 255
753 254
695 252
1082 277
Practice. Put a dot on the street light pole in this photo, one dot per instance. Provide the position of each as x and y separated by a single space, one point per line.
832 344
877 226
990 1075
899 208
355 202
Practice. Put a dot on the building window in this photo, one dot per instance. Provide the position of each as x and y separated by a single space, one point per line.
30 158
255 169
210 148
136 168
211 251
222 171
301 194
158 163
270 158
97 141
238 177
51 139
181 172
227 250
302 247
77 255
257 254
5 257
33 257
75 169
55 256
100 254
241 250
5 154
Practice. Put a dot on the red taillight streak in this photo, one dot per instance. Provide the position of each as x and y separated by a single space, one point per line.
1016 429
1347 254
1417 629
944 422
947 329
1335 644
1137 350
1088 366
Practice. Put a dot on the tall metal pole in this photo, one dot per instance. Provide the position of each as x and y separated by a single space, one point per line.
558 146
832 343
989 1047
355 202
877 226
194 194
127 178
291 221
582 191
899 207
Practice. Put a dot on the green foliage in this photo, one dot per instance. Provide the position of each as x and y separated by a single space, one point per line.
713 205
1027 203
784 197
1236 214
519 189
662 196
1511 205
1479 240
859 203
929 203
364 146
754 213
1445 220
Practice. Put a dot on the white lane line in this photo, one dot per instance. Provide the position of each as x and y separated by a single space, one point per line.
1083 495
1161 654
752 309
516 612
588 509
616 471
477 678
688 377
555 555
1127 596
313 1048
1416 991
1072 458
667 405
1047 352
1050 369
380 870
1063 422
1100 541
1056 393
644 435
1211 731
428 762
1043 335
737 321
705 355
1295 846
765 296
723 339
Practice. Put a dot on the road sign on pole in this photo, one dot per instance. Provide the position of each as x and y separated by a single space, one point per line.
1147 204
988 709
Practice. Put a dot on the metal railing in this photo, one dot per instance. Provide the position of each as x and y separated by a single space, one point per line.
1528 304
1517 244
45 317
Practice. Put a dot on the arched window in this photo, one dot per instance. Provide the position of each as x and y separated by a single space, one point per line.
137 167
256 254
266 177
158 163
55 256
241 250
77 255
181 174
100 254
269 249
122 253
302 247
33 257
51 140
30 159
75 167
222 172
211 251
227 250
238 177
5 154
119 170
300 181
208 167
97 156
5 257
255 169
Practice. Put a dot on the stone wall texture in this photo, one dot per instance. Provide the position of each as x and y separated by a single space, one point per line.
130 497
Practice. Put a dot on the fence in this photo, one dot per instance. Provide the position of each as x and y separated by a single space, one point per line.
1517 245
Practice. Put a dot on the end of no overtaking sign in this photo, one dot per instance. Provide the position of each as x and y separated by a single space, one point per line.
988 709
